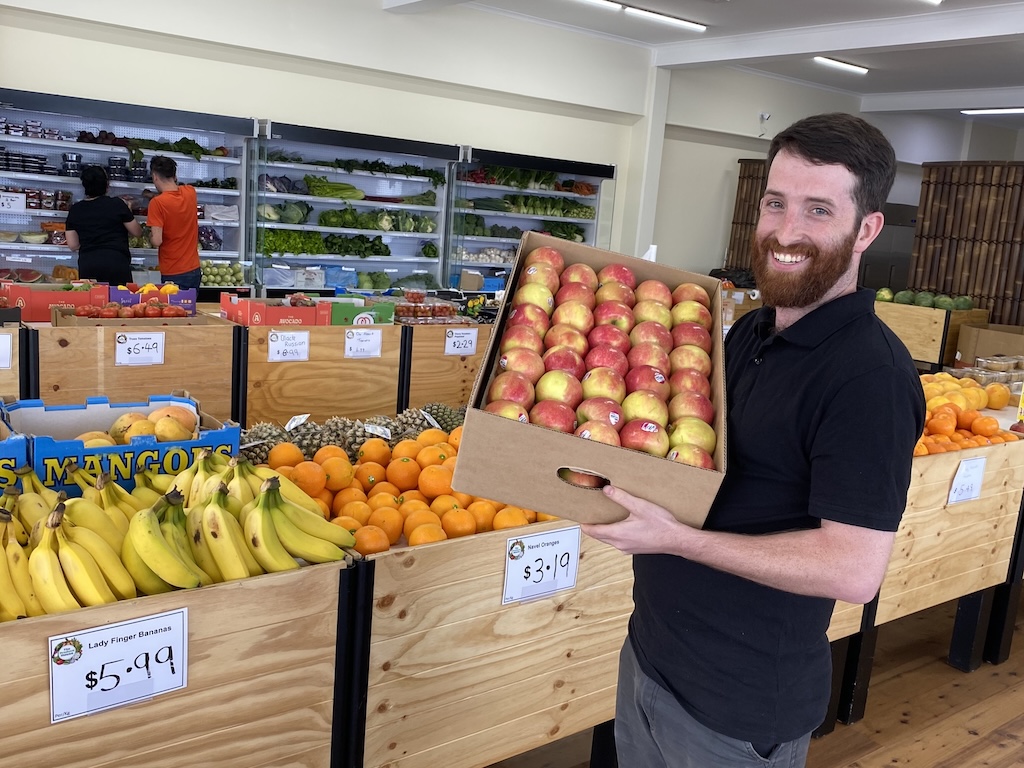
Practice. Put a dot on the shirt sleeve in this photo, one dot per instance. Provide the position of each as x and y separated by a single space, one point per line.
71 222
155 214
126 212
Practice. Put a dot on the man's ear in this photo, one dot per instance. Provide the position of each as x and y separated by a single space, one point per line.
870 228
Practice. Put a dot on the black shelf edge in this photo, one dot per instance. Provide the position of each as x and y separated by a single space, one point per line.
528 162
347 140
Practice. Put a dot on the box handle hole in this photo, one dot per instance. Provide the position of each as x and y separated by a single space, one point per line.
581 478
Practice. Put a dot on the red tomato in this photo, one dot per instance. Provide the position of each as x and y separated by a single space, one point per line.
109 312
83 311
139 310
126 312
152 311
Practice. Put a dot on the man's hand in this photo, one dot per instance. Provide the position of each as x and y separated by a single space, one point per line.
649 529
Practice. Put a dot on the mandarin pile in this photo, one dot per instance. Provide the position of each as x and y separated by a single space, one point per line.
954 420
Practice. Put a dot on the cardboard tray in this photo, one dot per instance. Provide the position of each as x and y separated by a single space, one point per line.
263 312
66 318
518 463
37 301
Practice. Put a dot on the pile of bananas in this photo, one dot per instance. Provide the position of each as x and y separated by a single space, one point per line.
219 520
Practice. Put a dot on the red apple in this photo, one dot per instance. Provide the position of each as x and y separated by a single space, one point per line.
508 410
609 336
615 292
644 377
599 432
521 336
524 361
690 403
691 333
535 293
513 386
618 273
581 479
603 382
614 313
691 292
541 273
560 386
649 354
575 292
689 380
693 455
580 273
531 316
606 357
652 332
691 312
553 415
574 313
563 335
654 290
643 435
646 311
546 254
690 429
602 409
689 356
564 359
643 404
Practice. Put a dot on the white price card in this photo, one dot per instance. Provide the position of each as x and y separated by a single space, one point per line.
540 564
967 481
117 664
139 348
363 342
12 202
460 341
6 350
287 346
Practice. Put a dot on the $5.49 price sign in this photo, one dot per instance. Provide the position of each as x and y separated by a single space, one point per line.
968 479
139 348
117 664
540 564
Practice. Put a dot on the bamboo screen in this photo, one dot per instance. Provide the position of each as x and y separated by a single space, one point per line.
750 186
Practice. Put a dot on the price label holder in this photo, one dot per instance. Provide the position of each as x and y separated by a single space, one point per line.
6 350
139 348
968 479
540 564
363 342
287 346
12 202
460 341
117 664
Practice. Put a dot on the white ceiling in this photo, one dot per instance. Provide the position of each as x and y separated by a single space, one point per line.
922 57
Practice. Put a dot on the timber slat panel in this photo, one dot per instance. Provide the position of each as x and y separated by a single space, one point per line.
930 595
921 329
918 545
846 619
10 378
753 174
439 378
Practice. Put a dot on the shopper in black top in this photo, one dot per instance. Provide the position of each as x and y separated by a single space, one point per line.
98 228
727 662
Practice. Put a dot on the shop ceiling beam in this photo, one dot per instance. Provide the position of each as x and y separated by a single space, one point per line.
416 6
922 101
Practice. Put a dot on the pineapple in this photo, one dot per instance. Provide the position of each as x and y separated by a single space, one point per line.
256 442
307 436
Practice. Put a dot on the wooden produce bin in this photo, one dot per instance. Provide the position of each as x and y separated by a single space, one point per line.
77 361
260 691
10 375
929 334
846 620
328 383
439 378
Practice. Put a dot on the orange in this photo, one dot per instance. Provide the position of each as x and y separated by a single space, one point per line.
449 463
285 471
346 522
455 437
941 426
409 506
531 516
1009 436
284 454
995 439
464 499
329 452
413 495
431 454
359 510
426 534
964 418
498 506
325 508
509 517
370 539
310 477
390 521
951 407
376 449
986 426
448 448
419 517
403 473
379 500
998 396
344 496
435 481
443 503
383 487
370 473
339 472
920 449
431 436
458 522
936 448
483 513
326 496
543 517
406 449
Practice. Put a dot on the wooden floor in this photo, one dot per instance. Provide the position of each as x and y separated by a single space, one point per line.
921 713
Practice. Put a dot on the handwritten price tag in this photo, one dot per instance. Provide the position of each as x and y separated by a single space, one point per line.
363 342
12 202
6 350
541 564
967 481
460 341
287 346
139 348
117 664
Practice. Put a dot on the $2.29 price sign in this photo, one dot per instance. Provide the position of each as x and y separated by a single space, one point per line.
460 341
540 564
139 348
117 664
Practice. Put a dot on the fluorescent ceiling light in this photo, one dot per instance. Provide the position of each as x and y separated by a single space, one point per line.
934 2
652 16
1001 111
841 65
604 4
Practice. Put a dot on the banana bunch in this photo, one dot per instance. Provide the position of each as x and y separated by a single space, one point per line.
218 541
17 595
9 504
153 480
156 551
106 493
256 476
36 500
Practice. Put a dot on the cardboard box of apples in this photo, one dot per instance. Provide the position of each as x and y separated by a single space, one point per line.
602 368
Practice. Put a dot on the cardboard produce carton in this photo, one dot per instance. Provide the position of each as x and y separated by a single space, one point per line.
37 301
270 312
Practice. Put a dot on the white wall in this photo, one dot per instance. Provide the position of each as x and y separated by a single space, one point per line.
989 142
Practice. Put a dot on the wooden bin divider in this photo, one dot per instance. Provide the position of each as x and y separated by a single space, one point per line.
435 377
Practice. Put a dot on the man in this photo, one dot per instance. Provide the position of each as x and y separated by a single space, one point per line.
727 662
174 225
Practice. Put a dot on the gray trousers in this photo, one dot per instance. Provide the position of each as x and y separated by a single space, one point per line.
652 730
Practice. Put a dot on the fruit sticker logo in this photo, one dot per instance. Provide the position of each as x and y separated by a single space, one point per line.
67 651
516 549
257 318
122 338
649 426
364 318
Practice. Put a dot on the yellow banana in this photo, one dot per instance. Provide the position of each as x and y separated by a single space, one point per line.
263 542
219 460
149 543
10 599
172 525
145 494
109 561
48 579
222 544
18 531
147 582
158 481
124 498
17 564
289 490
82 573
244 512
198 544
110 500
30 508
30 482
182 482
301 544
87 515
86 481
308 522
198 492
238 487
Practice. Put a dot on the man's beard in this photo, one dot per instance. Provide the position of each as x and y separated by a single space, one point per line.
808 286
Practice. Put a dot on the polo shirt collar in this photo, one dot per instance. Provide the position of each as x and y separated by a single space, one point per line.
813 328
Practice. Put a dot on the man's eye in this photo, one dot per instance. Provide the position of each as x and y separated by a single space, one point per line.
820 212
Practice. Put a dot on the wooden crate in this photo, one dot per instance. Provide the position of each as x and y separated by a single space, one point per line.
10 378
78 362
846 619
945 551
929 334
439 378
260 682
328 384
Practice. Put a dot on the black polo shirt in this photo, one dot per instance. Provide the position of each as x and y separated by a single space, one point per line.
822 421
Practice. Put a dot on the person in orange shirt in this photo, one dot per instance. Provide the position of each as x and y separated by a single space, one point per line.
174 225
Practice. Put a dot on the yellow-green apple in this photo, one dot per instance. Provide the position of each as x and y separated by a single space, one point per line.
576 292
534 293
563 335
508 410
647 311
688 380
691 333
602 409
553 415
541 273
690 429
531 316
580 273
581 479
521 336
693 455
574 313
644 377
648 354
609 336
614 313
603 382
654 290
690 403
691 312
691 292
524 361
607 357
599 432
689 356
560 386
644 435
618 273
564 359
652 332
615 292
547 255
644 404
514 386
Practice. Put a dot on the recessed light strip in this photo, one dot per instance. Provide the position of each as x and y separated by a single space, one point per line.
1000 111
661 17
841 65
603 4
